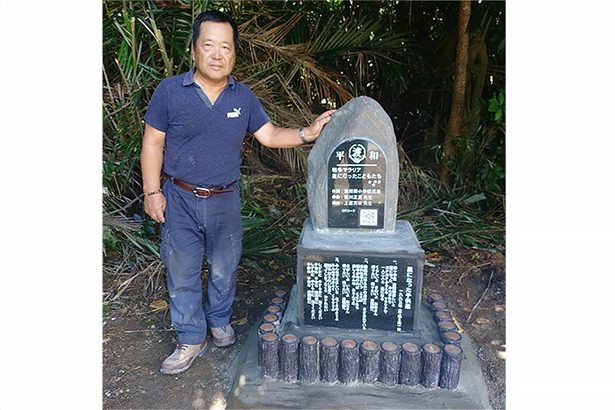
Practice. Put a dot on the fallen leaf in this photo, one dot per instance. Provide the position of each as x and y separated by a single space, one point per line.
240 322
159 304
482 320
499 308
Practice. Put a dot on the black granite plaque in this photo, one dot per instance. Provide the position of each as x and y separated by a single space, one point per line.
356 181
358 292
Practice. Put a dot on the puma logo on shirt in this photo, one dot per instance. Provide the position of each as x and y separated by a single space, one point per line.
235 114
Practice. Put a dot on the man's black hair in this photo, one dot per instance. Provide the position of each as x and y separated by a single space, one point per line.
217 17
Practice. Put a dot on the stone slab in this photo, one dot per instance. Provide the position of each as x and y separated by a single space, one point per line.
332 266
250 390
361 118
401 240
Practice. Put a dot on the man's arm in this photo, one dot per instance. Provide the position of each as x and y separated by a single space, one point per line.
151 165
277 137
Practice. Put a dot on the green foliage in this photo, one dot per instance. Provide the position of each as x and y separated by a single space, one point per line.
446 216
300 58
496 106
290 56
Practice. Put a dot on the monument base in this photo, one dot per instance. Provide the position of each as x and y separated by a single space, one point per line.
359 280
250 390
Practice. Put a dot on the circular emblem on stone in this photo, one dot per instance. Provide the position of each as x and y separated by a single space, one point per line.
356 153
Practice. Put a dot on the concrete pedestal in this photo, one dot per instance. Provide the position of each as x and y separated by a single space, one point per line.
359 280
250 390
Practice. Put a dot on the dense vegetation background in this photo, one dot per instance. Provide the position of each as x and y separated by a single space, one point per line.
437 68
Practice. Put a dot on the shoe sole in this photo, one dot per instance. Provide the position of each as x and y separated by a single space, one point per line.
186 367
223 344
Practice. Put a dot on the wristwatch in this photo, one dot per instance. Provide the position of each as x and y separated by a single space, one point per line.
302 136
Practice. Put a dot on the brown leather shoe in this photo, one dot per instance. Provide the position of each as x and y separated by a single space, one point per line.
183 356
223 336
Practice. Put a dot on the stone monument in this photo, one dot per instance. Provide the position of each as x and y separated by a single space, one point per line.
354 332
358 267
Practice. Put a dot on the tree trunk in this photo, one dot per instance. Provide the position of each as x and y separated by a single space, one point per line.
478 63
459 91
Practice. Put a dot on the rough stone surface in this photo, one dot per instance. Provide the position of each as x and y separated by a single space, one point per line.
364 118
401 240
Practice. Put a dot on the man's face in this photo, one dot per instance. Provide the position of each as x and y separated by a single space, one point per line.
214 51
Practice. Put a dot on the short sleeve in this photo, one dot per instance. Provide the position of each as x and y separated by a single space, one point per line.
258 116
157 114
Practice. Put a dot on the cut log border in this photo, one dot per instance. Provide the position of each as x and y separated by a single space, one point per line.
369 361
309 360
349 361
329 359
451 367
289 358
410 368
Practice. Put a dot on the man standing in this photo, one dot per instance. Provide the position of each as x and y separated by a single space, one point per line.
199 119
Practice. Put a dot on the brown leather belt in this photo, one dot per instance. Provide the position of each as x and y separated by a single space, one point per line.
203 192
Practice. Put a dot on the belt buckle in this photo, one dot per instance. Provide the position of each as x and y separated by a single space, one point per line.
206 192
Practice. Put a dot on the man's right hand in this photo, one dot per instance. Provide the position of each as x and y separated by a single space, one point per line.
155 205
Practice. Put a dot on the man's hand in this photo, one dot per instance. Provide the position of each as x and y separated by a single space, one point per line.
155 205
313 131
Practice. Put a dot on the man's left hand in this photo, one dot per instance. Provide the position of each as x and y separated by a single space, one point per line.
313 131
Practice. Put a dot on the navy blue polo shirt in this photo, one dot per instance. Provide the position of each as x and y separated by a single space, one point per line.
203 141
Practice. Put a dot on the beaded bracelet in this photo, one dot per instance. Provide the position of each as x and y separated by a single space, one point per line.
152 193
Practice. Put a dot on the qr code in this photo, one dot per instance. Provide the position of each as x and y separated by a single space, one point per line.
368 217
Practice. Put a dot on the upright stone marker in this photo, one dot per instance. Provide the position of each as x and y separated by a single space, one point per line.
353 171
357 266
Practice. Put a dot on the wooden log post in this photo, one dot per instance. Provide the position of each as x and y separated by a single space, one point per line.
274 310
265 328
273 319
279 302
308 359
329 353
445 326
390 358
452 338
281 293
349 361
289 358
451 367
432 358
441 316
369 361
269 355
439 306
410 367
262 329
435 297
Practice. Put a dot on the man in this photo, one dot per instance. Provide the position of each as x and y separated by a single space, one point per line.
199 120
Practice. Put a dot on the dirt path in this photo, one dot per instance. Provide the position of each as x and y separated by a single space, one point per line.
137 338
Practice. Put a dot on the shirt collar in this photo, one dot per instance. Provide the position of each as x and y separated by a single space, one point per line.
189 79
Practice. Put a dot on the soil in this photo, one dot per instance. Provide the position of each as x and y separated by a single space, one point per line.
137 334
